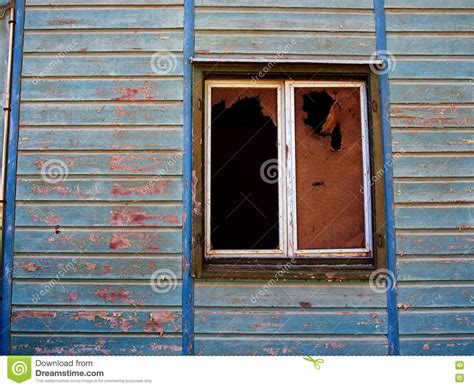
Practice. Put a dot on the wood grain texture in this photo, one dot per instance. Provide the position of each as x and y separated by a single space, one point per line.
102 90
290 345
106 139
91 294
94 215
158 321
86 267
451 268
100 189
98 240
68 345
103 18
107 163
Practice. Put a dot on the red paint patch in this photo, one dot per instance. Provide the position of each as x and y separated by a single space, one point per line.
107 269
113 296
32 314
30 267
119 241
305 304
72 296
148 189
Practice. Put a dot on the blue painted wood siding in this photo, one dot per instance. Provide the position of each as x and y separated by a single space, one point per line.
432 127
96 103
116 124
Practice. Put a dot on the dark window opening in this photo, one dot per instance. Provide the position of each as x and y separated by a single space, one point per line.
244 136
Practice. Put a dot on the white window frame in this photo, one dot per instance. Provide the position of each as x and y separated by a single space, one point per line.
287 171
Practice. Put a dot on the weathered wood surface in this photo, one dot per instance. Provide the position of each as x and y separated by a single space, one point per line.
448 345
443 165
100 189
153 89
421 140
94 215
153 240
246 294
116 65
96 114
103 18
94 294
98 41
87 345
456 268
106 163
434 295
437 322
157 321
290 345
107 139
434 190
432 243
86 267
435 217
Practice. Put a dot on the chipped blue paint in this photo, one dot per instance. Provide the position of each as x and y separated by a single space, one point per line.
188 283
381 45
10 184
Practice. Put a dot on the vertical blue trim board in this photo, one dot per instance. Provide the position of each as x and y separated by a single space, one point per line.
188 284
10 183
392 310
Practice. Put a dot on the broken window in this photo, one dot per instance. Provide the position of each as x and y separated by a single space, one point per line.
287 169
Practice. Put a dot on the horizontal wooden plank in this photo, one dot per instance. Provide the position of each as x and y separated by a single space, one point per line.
92 241
436 346
429 21
102 65
100 113
80 267
222 19
433 191
429 4
107 163
117 138
158 321
249 321
302 295
411 243
412 92
436 322
289 346
69 345
88 189
101 90
433 69
86 294
435 295
435 269
434 166
284 44
102 18
428 116
102 2
434 217
98 41
97 215
407 43
367 4
433 141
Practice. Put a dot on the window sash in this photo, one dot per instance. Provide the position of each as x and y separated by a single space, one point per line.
287 172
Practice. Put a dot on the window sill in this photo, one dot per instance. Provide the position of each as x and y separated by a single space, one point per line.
328 273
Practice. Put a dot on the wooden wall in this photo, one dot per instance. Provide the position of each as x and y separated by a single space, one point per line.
116 125
432 122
